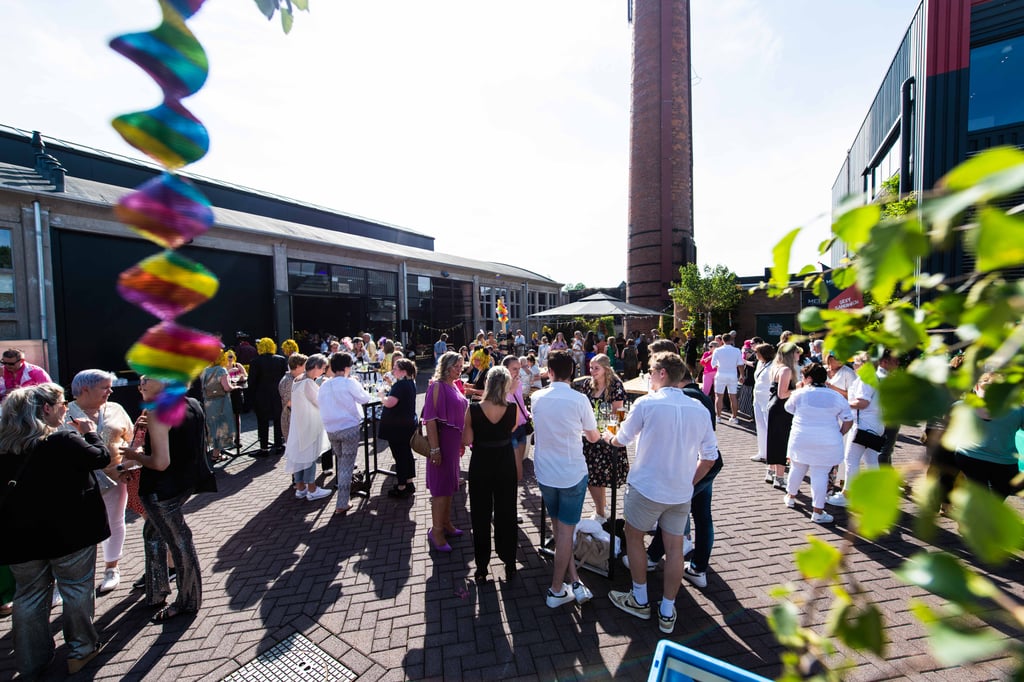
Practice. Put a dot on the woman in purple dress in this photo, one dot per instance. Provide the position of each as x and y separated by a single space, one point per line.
444 411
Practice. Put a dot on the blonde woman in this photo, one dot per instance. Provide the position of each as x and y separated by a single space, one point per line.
444 411
492 473
606 464
784 373
239 379
265 372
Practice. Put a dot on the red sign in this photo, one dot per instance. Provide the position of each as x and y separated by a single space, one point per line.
847 298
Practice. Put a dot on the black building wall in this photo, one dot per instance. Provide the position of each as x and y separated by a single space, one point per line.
95 326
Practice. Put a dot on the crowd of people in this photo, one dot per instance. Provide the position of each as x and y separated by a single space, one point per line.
815 417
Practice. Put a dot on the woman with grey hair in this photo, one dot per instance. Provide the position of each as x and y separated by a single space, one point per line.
50 538
492 472
92 389
306 435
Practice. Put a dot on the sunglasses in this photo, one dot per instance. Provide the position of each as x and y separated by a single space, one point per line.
10 364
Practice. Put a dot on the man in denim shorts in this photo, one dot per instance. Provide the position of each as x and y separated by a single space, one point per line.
560 415
676 447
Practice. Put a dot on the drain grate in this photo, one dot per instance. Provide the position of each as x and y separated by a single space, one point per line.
295 658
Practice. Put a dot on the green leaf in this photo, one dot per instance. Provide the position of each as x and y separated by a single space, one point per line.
908 333
932 368
907 399
810 319
867 374
999 240
854 226
844 278
806 270
875 496
981 167
286 20
928 495
993 530
820 561
780 260
943 575
953 645
890 257
267 7
819 288
964 427
784 620
862 629
301 4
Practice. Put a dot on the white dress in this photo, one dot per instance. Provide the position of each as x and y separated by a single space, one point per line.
818 413
307 438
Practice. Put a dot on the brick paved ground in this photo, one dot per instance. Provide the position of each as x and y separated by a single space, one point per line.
366 589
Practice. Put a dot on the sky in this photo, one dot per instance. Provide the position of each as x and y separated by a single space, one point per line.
501 129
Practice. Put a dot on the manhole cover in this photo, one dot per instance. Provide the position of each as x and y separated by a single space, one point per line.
295 658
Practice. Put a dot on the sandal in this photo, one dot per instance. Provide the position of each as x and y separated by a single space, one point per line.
341 511
164 615
219 457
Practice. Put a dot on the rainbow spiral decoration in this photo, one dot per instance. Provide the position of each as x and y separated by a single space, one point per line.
168 210
502 311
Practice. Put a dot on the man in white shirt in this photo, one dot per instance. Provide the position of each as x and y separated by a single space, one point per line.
560 415
676 447
728 360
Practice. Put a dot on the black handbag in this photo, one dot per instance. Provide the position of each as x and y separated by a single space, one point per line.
870 440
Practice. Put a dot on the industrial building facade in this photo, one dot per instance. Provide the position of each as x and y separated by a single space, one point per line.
283 265
952 90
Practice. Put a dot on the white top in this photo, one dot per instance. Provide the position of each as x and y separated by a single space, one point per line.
542 354
844 378
674 433
869 418
340 400
535 380
306 435
817 415
763 379
728 358
520 340
560 416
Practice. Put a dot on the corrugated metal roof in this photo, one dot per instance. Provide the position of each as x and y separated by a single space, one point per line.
17 178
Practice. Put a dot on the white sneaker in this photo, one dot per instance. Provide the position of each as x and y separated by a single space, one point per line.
300 494
837 500
687 545
627 602
111 579
789 501
823 517
581 592
769 477
651 565
757 458
698 578
667 624
555 600
318 494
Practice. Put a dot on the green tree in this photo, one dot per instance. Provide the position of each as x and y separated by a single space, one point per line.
716 290
979 316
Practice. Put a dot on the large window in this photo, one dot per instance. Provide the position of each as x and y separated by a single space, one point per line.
6 273
305 277
997 70
488 302
888 166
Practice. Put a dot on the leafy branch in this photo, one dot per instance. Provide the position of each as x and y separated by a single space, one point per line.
928 318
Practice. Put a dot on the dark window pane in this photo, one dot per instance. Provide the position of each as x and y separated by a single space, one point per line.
996 73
